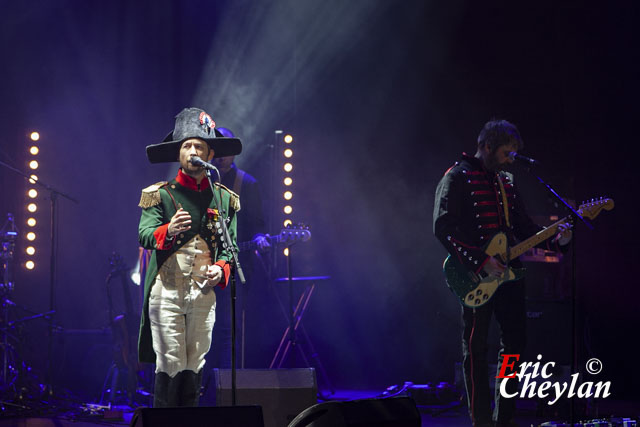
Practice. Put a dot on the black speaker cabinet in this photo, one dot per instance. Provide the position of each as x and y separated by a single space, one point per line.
231 416
282 393
390 412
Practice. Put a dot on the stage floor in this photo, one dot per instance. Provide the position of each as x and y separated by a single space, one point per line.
56 414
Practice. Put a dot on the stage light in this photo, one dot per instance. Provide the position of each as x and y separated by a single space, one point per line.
287 180
30 199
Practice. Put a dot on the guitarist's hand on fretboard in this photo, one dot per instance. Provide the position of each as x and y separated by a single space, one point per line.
262 241
564 234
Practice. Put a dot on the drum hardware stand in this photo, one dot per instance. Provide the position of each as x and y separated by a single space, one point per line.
8 236
12 368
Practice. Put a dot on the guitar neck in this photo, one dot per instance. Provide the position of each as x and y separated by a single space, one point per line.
534 240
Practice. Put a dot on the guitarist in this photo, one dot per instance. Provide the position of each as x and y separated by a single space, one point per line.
251 227
474 200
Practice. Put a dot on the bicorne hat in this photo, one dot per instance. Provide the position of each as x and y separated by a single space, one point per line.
193 123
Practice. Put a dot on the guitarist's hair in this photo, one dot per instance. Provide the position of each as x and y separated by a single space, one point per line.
497 133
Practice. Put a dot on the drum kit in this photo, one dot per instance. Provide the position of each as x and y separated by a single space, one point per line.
17 379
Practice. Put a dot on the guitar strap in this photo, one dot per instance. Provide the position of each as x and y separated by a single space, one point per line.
505 204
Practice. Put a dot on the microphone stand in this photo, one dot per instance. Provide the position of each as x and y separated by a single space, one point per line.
575 215
227 243
53 194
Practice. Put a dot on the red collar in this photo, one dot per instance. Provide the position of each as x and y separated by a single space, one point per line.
191 183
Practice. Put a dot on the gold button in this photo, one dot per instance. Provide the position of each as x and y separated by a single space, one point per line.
173 186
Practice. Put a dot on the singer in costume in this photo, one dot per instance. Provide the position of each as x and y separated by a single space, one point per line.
474 200
179 222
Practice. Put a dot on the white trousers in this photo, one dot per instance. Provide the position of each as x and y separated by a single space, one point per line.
182 317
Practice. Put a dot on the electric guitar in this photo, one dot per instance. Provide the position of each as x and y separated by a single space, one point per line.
291 234
474 290
124 326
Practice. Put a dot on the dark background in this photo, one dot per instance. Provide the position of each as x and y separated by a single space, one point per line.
381 97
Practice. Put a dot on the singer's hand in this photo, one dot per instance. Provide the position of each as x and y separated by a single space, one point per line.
180 222
214 275
494 268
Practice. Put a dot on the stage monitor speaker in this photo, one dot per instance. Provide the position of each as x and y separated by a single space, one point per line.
230 416
389 412
282 393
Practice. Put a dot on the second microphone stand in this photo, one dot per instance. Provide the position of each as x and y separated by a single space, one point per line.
576 216
222 230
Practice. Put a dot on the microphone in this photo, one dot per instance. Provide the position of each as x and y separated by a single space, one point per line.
197 161
528 160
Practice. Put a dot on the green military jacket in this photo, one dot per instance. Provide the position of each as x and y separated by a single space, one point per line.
159 202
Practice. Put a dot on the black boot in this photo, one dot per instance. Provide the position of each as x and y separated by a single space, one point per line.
190 388
165 391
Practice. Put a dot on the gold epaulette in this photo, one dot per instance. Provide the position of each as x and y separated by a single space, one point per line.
151 195
234 199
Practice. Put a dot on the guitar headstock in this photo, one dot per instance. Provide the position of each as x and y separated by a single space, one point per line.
592 208
116 263
294 233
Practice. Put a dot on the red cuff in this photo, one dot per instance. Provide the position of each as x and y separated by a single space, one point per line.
226 270
162 240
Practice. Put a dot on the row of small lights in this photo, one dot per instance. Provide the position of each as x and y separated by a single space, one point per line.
32 207
287 195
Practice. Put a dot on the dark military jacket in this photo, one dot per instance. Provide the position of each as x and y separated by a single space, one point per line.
469 211
252 221
160 202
